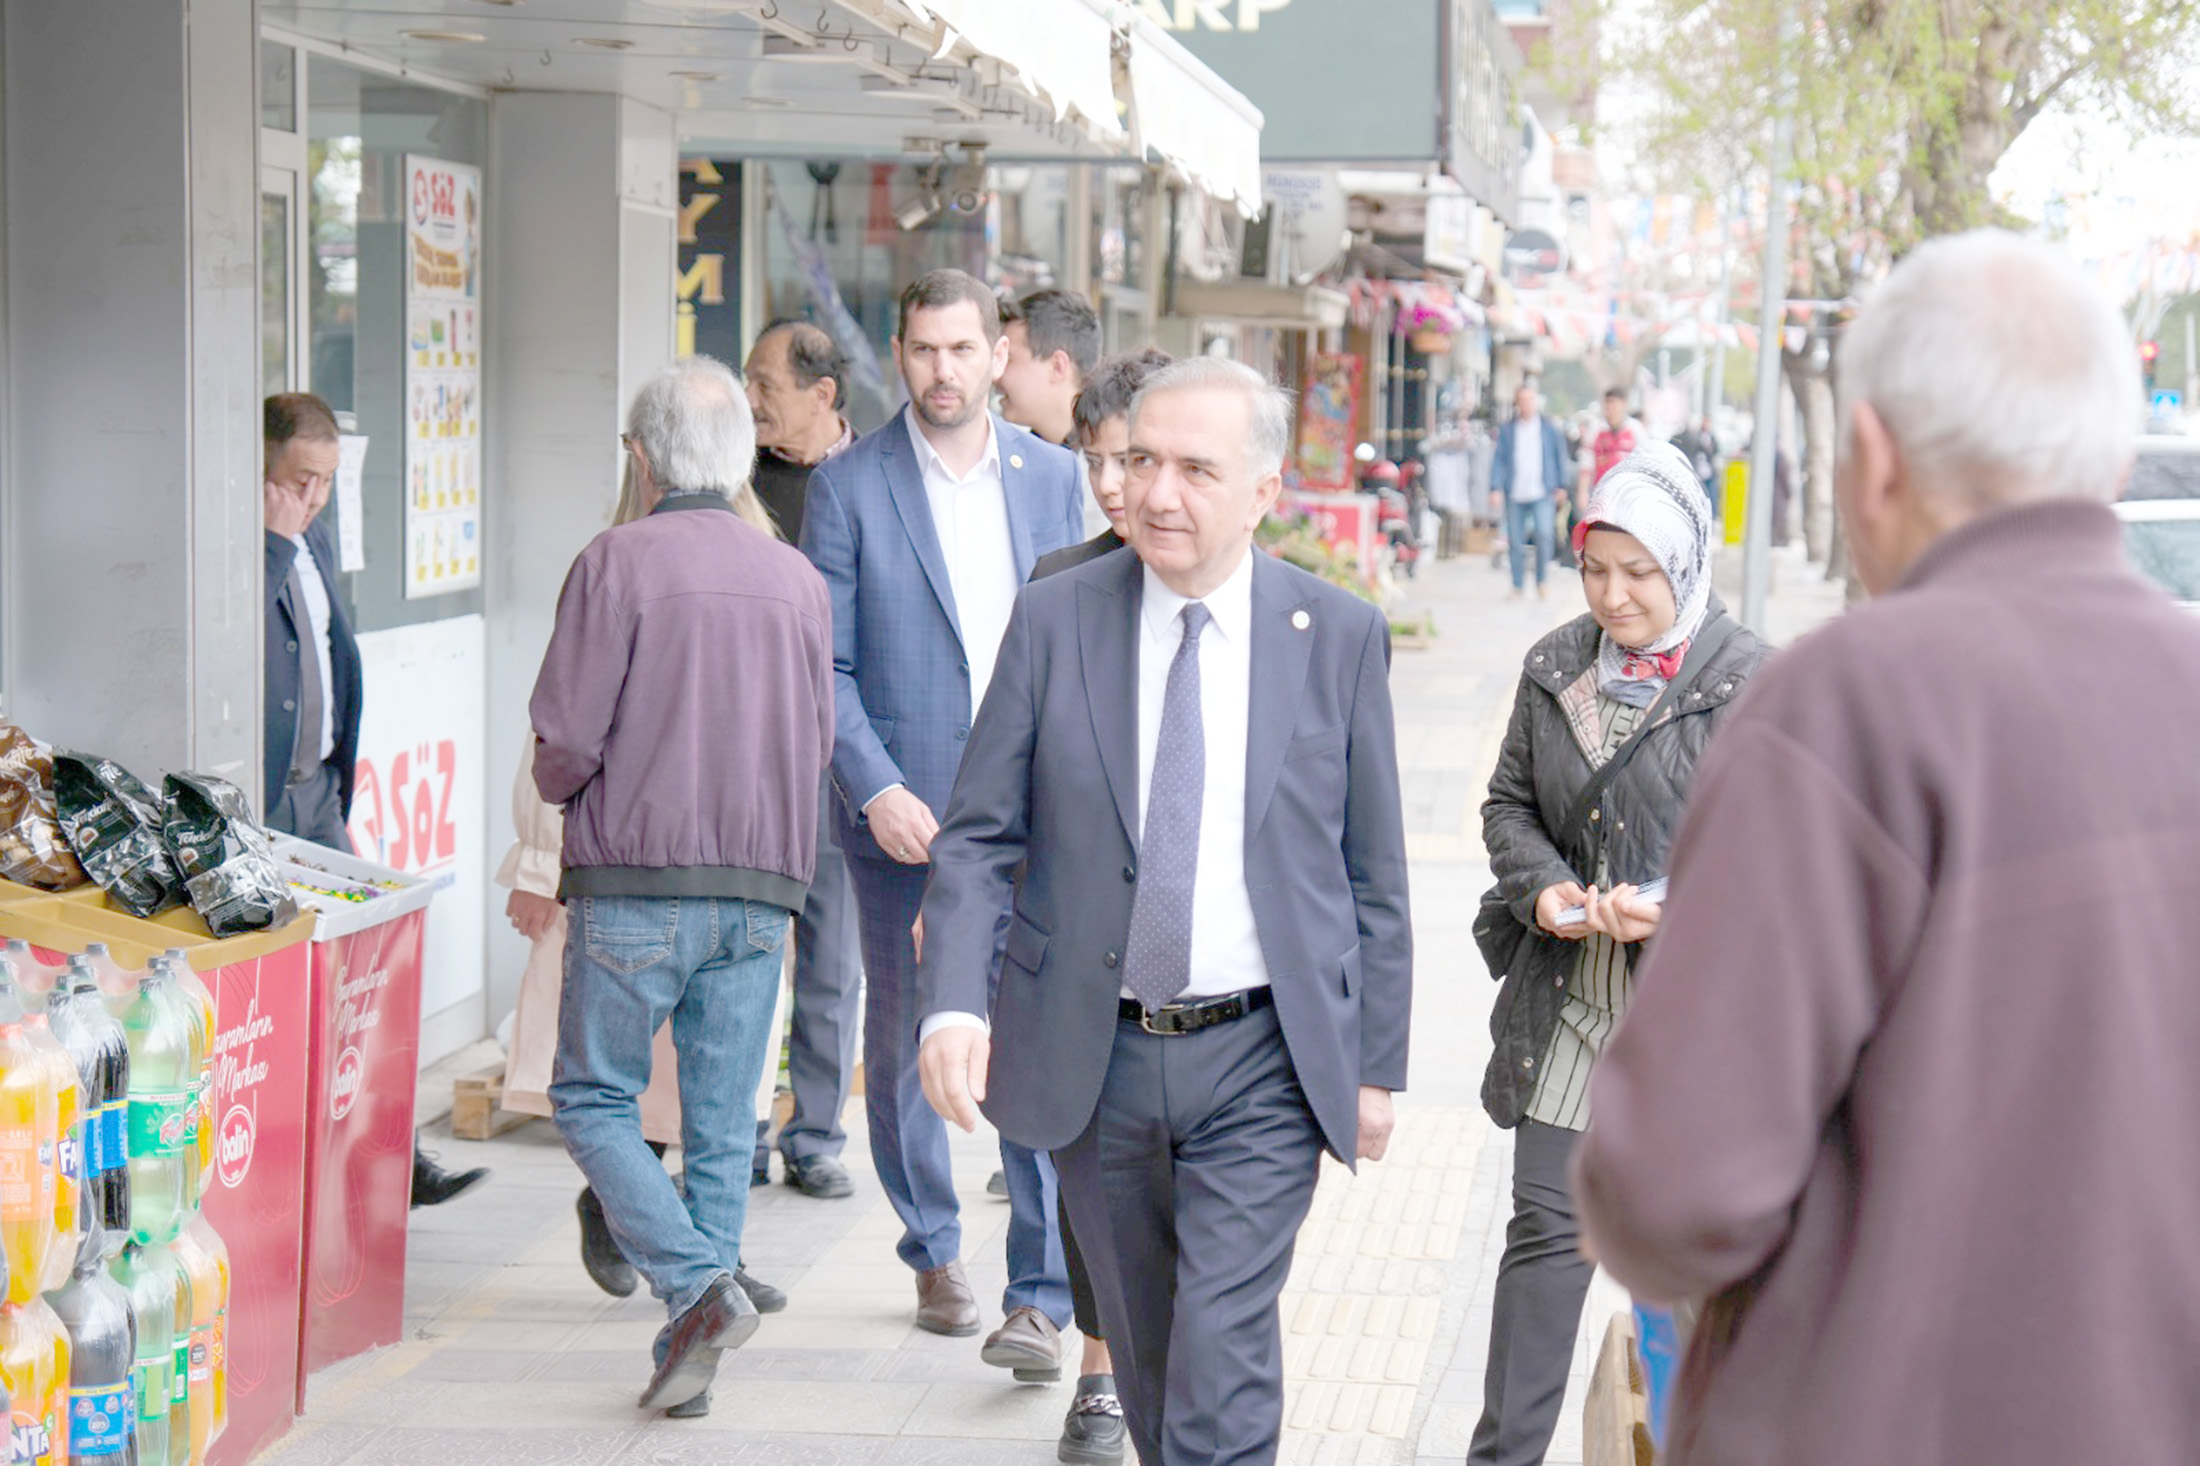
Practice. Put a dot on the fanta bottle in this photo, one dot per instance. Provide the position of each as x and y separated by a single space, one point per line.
101 1418
179 1343
194 987
158 1025
30 1133
148 1275
34 1368
67 1150
205 1258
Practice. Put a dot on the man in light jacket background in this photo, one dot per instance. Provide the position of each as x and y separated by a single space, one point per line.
683 718
1529 470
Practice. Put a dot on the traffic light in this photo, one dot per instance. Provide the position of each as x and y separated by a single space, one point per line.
2150 352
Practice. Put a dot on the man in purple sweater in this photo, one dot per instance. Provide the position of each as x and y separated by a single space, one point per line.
1908 1091
683 718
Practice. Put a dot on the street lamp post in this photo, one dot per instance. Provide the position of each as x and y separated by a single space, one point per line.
1757 523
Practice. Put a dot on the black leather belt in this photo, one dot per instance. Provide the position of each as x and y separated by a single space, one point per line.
1174 1019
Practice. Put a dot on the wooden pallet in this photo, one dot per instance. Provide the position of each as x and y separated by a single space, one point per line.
474 1101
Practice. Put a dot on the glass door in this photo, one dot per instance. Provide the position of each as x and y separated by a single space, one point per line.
279 334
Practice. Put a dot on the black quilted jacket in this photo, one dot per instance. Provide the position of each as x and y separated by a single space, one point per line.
1540 771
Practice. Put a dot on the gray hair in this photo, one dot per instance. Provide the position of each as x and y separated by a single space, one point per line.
693 423
1268 407
2001 372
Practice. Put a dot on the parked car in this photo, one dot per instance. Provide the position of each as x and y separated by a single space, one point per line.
2162 537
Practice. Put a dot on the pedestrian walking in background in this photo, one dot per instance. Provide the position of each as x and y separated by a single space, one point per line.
1530 470
1909 1093
1618 436
682 718
1093 1430
1613 713
924 532
1053 345
1701 447
796 378
531 872
1167 1022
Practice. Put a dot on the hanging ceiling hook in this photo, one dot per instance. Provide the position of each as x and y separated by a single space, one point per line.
770 12
546 55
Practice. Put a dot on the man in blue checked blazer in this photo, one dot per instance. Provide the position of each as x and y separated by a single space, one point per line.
924 531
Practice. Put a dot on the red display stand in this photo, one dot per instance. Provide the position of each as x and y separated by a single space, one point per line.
363 1064
260 992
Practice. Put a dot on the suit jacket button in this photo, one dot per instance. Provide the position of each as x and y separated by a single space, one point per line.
294 646
1130 872
962 732
289 706
1112 959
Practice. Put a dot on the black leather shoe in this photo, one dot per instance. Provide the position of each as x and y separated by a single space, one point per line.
996 1185
764 1296
432 1185
607 1266
694 1409
821 1176
722 1319
1092 1433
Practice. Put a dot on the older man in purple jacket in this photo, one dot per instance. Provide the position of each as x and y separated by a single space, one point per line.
683 718
1908 1088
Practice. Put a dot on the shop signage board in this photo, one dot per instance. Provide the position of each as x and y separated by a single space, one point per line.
419 806
1328 408
442 377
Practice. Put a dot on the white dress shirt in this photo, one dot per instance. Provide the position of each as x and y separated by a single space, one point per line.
1226 955
970 515
317 614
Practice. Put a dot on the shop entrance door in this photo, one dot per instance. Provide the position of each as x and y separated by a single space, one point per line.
280 335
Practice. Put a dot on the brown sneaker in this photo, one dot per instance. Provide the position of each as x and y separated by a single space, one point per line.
945 1304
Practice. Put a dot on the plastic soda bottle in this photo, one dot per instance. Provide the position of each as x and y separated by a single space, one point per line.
193 987
158 1026
67 1165
30 1125
204 1257
179 1343
148 1275
101 1418
94 1037
34 1368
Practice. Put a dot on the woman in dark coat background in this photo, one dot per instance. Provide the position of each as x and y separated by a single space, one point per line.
1645 542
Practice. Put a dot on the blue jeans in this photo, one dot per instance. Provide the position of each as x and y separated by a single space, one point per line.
712 966
1523 522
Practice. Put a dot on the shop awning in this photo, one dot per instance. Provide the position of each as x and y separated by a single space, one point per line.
1257 303
1061 50
1191 118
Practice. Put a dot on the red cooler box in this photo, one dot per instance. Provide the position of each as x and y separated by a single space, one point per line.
259 984
362 1067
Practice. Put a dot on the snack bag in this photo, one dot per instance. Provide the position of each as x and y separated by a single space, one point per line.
113 824
33 851
227 865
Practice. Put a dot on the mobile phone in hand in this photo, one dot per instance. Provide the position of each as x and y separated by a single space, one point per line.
1650 891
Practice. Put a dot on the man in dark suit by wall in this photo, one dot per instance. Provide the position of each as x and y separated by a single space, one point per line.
1204 992
310 737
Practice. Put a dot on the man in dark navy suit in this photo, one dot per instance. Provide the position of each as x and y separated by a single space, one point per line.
310 743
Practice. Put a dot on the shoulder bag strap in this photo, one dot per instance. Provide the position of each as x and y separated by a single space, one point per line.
1705 647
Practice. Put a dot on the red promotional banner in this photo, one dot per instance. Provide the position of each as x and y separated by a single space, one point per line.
259 1151
359 1122
1329 408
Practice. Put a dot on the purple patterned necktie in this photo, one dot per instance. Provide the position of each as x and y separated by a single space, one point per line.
1157 961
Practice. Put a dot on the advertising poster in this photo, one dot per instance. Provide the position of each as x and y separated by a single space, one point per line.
442 377
1328 409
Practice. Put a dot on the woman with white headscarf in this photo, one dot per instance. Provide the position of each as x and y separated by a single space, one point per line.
1613 710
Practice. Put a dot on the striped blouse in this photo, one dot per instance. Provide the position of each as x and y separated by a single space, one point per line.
1598 991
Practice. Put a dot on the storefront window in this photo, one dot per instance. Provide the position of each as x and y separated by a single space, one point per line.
278 86
361 129
275 294
843 238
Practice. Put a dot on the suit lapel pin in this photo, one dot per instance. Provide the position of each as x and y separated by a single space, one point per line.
1015 460
1300 621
